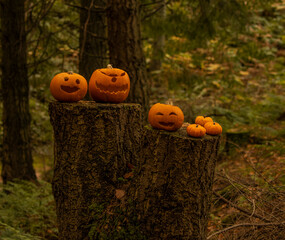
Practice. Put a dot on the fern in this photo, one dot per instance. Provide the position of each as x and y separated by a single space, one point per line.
26 208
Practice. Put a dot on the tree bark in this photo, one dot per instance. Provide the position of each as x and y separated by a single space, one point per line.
93 37
93 144
125 48
172 191
17 157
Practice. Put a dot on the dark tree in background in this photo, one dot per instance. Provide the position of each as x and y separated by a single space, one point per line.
93 39
125 47
159 40
17 157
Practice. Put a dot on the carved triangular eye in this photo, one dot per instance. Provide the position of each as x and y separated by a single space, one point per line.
173 113
123 74
159 113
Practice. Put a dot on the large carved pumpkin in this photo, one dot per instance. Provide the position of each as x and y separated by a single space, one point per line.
166 117
109 85
68 87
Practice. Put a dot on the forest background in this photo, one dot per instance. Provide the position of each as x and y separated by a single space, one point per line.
218 58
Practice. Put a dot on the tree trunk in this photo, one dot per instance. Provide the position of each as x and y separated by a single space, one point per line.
17 158
125 47
93 145
172 192
93 37
159 41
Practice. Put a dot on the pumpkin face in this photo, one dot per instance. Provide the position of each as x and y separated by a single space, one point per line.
68 87
166 117
196 130
109 85
213 128
203 120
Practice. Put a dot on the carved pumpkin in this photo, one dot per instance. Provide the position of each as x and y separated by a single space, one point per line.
203 120
109 85
68 87
213 128
196 130
166 117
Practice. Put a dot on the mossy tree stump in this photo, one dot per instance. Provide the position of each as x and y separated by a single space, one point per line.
93 143
172 191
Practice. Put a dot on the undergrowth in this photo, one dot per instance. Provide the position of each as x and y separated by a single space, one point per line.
27 211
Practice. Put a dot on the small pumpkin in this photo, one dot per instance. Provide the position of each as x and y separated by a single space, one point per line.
196 130
166 117
109 85
68 87
203 120
213 128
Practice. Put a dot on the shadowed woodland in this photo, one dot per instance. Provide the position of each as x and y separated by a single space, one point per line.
217 58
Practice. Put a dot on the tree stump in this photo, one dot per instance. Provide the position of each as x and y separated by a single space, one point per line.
168 194
93 143
172 191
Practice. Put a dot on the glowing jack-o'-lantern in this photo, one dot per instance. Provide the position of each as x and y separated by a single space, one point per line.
164 116
109 85
68 87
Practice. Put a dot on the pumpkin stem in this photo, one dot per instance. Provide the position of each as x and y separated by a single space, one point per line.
169 102
214 123
109 66
70 72
196 125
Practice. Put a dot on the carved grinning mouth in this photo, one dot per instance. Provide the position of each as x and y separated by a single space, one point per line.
69 89
169 124
112 88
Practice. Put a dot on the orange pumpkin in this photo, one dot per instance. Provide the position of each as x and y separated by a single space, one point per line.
196 130
109 85
68 87
213 128
166 117
203 120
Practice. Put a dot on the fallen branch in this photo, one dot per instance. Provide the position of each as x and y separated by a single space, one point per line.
246 225
241 209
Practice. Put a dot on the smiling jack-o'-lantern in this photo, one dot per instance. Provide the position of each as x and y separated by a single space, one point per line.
68 87
164 116
109 85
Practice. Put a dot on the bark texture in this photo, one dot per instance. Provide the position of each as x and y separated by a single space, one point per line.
93 143
93 37
125 48
17 157
172 192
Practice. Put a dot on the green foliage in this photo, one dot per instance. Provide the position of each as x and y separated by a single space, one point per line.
52 38
237 77
27 211
9 233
